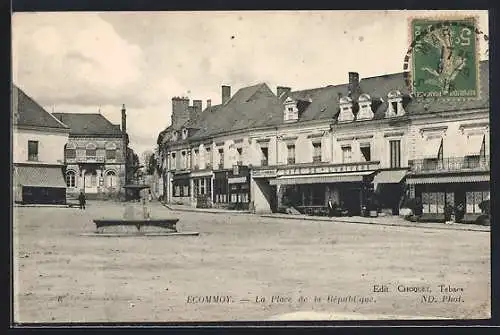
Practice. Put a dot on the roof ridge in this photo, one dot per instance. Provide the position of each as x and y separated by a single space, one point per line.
63 124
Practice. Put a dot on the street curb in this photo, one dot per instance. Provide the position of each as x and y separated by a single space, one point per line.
206 211
46 206
377 223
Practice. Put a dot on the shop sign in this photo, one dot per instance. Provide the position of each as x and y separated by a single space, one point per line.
270 173
237 180
327 169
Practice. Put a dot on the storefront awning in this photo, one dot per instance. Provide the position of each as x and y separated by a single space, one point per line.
474 145
389 177
39 176
448 179
431 148
181 176
321 178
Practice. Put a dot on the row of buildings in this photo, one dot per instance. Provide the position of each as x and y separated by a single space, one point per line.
57 155
360 143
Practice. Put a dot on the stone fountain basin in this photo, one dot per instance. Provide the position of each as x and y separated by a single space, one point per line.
138 223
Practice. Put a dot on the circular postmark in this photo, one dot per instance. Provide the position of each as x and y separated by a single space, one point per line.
442 61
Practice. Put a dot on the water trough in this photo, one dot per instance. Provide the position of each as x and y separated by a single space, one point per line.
137 221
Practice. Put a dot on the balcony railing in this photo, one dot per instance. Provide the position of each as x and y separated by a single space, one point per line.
291 160
87 159
474 163
221 166
316 159
239 163
264 162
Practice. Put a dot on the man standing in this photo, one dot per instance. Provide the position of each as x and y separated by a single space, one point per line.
81 200
331 208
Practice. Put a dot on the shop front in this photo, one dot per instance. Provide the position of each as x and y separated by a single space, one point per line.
181 191
220 189
39 184
389 190
202 188
239 187
462 192
308 189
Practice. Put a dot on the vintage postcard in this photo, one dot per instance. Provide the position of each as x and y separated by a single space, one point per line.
250 166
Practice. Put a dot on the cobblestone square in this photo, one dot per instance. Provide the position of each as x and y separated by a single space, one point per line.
242 267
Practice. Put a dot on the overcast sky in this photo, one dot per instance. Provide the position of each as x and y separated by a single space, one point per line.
86 62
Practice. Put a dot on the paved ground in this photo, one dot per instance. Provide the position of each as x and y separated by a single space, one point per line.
62 276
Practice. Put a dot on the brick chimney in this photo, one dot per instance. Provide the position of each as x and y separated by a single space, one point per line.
226 93
124 119
353 88
209 103
197 104
180 111
282 91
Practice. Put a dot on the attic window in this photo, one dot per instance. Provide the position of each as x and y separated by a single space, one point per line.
175 135
395 104
346 114
365 107
184 133
291 112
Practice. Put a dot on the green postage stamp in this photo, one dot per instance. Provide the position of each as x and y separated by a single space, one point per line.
444 58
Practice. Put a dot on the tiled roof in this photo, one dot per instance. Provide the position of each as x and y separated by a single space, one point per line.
324 102
89 124
380 86
30 113
257 106
238 110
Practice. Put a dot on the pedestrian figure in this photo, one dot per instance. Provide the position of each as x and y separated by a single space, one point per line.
332 207
150 196
81 200
145 209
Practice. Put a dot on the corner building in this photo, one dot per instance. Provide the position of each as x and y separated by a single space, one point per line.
266 150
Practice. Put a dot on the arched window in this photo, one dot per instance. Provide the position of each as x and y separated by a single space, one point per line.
111 179
70 179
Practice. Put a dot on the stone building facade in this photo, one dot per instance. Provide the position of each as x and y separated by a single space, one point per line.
95 155
357 144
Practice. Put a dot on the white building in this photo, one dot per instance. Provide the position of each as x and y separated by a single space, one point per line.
38 152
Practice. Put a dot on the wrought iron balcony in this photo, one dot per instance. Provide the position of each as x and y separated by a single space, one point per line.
264 162
291 160
316 159
471 163
87 159
239 163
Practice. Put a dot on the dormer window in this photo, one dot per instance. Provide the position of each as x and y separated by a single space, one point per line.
291 112
345 114
394 104
175 135
184 133
365 107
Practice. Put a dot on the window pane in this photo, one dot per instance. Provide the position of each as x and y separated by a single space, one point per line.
365 151
469 200
32 150
425 202
440 202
